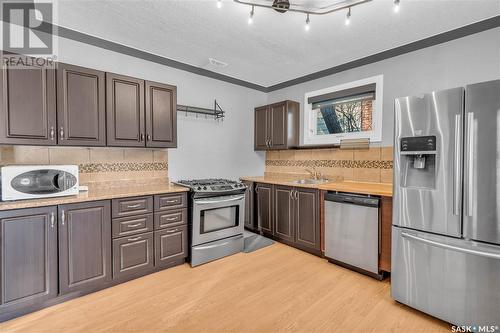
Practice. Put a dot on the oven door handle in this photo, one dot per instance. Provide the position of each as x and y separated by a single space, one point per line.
208 202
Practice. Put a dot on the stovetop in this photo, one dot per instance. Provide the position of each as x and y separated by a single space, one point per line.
216 185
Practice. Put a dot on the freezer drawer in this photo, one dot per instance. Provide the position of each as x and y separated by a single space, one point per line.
352 231
452 279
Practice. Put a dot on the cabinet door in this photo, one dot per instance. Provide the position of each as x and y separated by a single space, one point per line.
170 246
80 106
133 256
265 207
28 257
28 106
249 197
261 128
84 245
161 115
307 219
279 122
125 111
284 204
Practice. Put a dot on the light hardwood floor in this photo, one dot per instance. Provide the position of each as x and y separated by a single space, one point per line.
275 289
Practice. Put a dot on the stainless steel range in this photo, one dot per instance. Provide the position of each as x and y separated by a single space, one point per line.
216 214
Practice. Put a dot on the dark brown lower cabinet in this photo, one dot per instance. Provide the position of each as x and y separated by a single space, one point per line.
307 219
84 246
264 199
290 214
170 246
28 257
133 256
249 207
284 213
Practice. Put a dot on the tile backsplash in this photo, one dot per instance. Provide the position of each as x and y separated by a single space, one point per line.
367 165
96 164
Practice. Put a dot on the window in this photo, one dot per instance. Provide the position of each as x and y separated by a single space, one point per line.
349 111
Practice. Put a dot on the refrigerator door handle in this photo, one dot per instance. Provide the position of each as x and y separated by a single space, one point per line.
470 164
457 168
451 247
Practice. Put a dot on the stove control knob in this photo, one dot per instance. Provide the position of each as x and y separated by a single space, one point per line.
198 188
204 187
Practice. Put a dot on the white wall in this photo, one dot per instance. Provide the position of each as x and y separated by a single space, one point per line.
471 59
205 148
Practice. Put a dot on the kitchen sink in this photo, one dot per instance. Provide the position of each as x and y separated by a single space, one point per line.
310 181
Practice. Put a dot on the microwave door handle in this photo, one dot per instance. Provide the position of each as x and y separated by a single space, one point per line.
207 202
55 181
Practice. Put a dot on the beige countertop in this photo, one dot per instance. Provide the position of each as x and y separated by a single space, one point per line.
97 192
382 189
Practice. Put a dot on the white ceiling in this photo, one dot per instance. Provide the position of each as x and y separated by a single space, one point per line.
275 48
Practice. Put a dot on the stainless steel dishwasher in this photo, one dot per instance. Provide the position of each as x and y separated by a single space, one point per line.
352 231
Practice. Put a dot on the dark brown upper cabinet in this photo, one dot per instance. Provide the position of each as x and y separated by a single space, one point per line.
277 126
125 111
84 246
81 106
161 115
28 257
28 106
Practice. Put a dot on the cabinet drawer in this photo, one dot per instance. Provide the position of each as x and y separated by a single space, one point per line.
132 206
132 225
133 255
170 201
170 245
170 218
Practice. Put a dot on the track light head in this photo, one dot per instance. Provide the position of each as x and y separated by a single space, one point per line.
348 17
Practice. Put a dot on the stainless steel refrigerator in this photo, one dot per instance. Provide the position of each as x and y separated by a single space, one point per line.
446 218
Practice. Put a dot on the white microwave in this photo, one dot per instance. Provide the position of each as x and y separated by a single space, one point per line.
20 182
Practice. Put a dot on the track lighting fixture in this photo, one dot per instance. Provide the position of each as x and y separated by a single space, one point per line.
396 6
307 27
348 17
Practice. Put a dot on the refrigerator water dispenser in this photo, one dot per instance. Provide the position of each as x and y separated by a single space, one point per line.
418 161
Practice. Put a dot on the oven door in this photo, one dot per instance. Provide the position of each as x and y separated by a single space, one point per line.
217 218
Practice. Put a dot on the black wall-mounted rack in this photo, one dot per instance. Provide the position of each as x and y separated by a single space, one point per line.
217 113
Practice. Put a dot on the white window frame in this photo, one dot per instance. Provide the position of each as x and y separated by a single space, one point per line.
308 133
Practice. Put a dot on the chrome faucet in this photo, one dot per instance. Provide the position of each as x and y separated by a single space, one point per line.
314 173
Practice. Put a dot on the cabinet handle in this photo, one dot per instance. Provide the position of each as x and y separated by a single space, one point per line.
172 218
148 137
133 239
296 195
291 194
134 206
172 201
61 133
63 217
142 137
133 225
172 231
52 133
52 220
